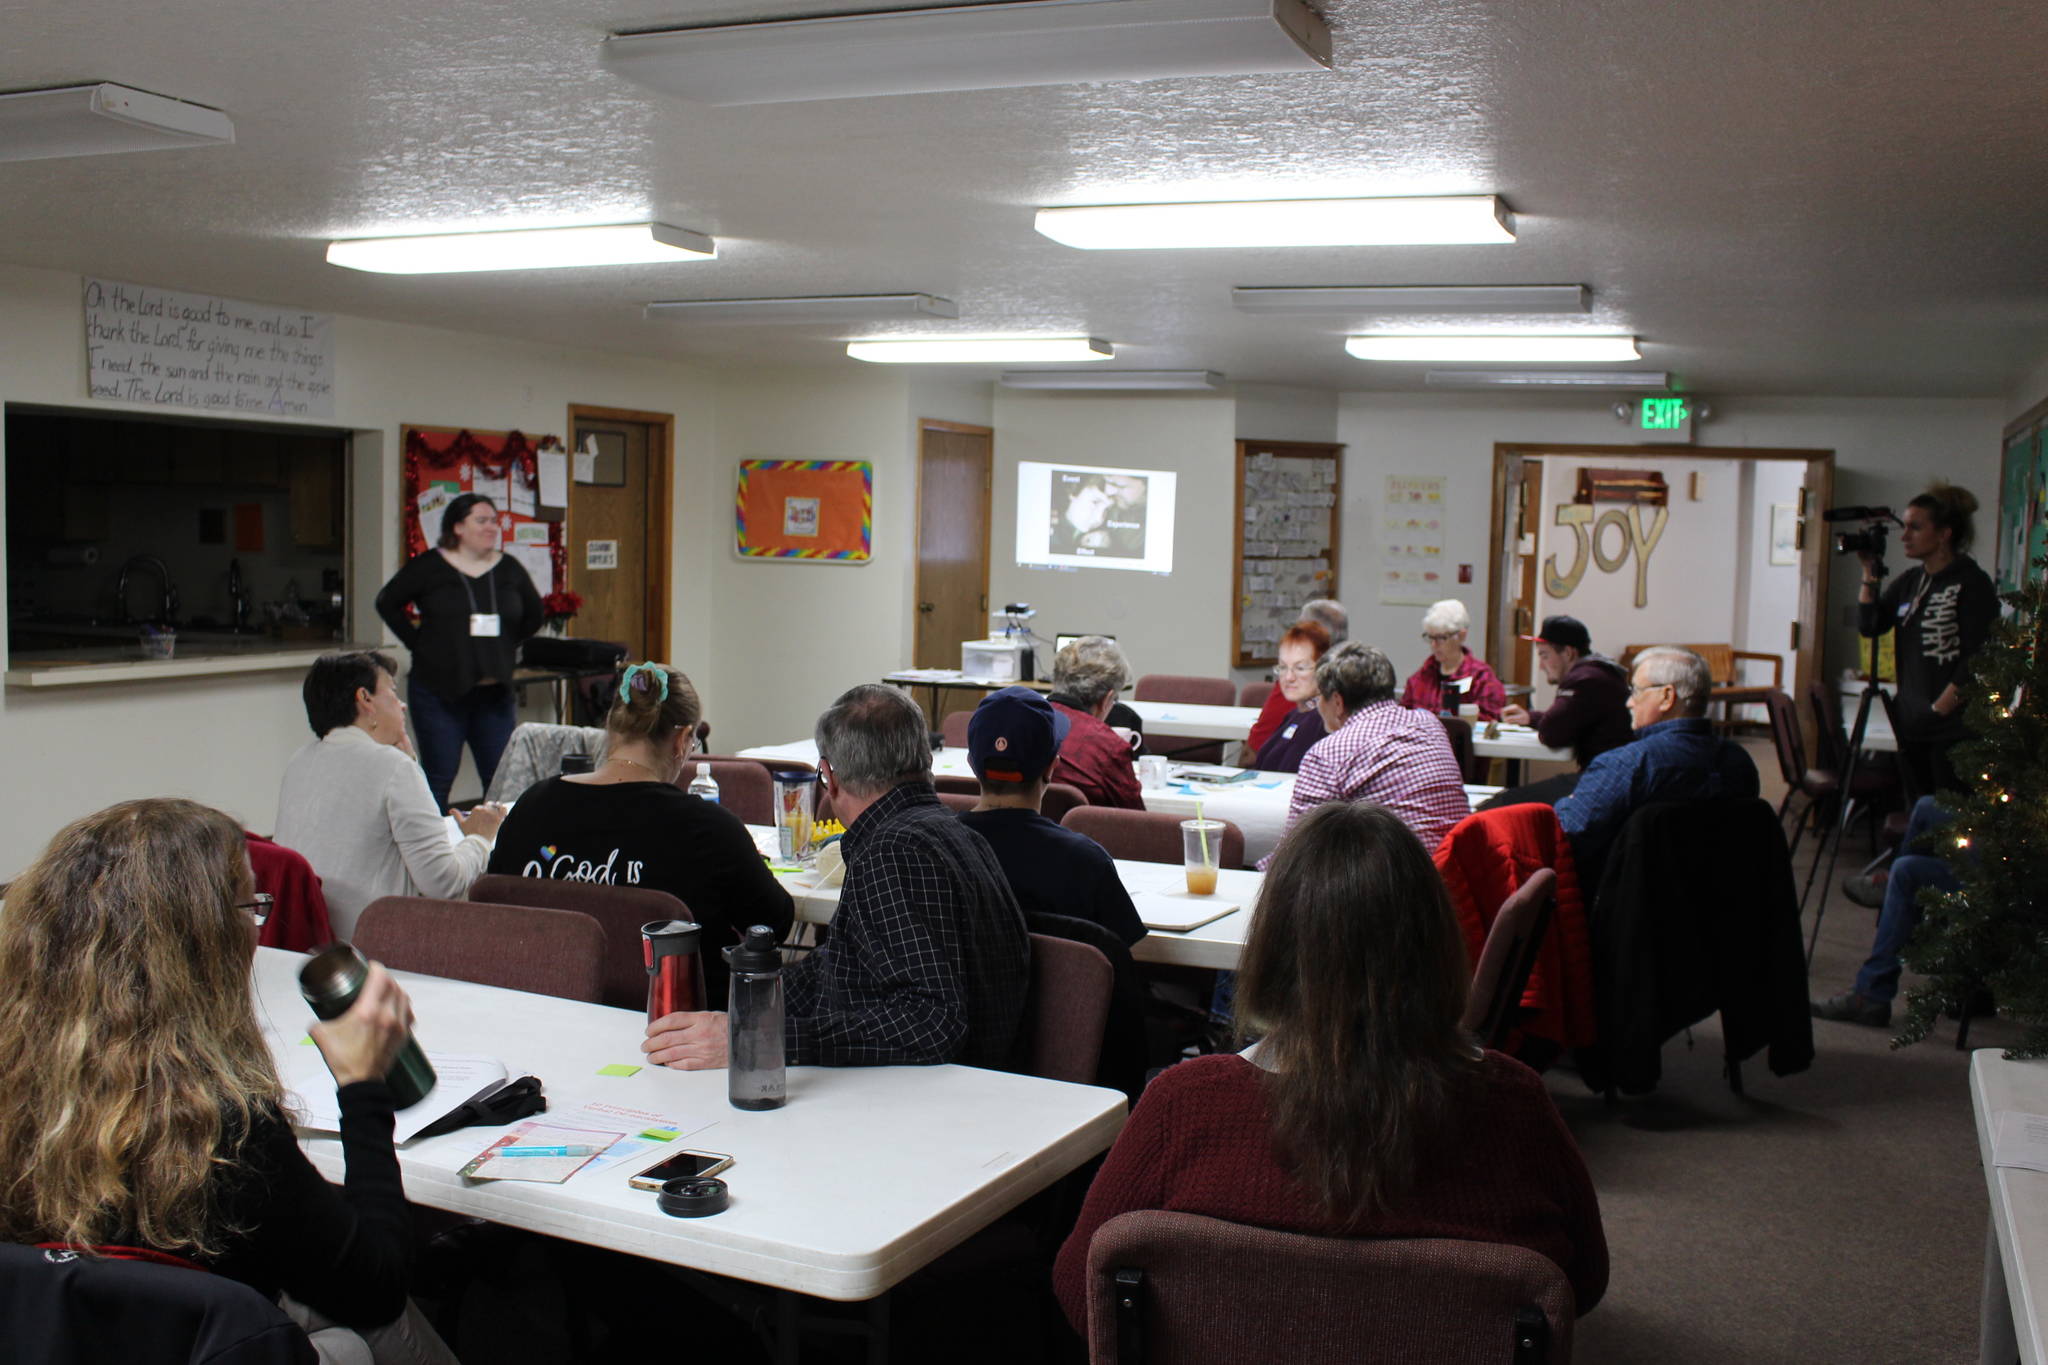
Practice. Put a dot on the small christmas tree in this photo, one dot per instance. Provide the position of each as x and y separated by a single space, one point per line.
1994 930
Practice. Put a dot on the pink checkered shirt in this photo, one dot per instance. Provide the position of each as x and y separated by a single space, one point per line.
1390 755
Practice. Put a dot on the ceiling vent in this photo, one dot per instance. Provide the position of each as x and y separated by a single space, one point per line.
971 47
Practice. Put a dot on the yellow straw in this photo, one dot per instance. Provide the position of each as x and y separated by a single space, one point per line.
1202 833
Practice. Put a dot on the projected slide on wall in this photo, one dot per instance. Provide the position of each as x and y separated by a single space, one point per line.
1095 518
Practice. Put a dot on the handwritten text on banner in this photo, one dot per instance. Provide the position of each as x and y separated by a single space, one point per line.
149 345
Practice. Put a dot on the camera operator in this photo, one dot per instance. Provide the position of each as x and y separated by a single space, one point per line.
1942 610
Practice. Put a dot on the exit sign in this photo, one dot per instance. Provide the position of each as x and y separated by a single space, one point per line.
1664 418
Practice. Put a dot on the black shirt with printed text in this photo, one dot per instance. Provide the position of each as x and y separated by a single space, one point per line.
1941 622
648 834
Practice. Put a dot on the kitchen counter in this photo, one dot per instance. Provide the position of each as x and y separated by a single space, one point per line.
82 665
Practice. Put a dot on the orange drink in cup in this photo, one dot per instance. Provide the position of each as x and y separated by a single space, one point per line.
1201 843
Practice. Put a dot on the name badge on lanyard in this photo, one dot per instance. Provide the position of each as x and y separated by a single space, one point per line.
1288 733
483 623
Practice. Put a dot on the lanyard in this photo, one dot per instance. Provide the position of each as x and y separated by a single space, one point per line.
469 586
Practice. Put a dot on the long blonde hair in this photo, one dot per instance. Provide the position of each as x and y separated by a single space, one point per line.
130 1058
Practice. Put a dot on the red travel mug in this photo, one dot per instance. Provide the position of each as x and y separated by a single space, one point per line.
675 971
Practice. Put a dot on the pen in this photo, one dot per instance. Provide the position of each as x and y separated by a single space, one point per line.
546 1151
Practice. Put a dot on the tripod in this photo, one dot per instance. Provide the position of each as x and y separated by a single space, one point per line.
1831 839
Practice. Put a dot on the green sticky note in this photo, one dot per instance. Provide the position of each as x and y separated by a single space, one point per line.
618 1069
660 1134
306 1041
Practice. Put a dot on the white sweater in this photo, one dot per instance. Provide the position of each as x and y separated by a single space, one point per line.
362 815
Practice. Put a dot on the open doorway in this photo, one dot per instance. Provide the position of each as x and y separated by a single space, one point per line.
618 531
1662 544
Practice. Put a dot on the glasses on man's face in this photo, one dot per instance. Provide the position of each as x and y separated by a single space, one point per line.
1635 692
1295 670
1439 639
258 907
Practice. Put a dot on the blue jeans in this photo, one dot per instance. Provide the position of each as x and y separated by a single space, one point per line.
1879 978
482 718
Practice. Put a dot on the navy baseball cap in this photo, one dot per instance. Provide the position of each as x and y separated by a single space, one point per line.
1564 632
1014 735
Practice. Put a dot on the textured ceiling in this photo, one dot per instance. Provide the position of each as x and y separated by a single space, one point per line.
1821 198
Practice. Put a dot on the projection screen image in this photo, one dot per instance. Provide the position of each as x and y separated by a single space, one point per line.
1094 517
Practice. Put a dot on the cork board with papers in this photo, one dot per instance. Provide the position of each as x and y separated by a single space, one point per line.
1290 497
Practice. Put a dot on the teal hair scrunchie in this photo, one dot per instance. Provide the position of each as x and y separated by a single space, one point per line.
657 672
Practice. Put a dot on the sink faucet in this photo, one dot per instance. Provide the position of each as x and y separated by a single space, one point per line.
170 594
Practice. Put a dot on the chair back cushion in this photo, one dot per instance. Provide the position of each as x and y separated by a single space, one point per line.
1255 693
1125 1047
619 912
744 787
518 947
1183 688
966 785
1066 1009
1218 1293
1830 735
1458 731
59 1307
1147 836
535 751
1494 1007
954 729
1061 797
1785 737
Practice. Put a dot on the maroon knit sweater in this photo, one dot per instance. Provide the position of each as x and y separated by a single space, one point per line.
1200 1142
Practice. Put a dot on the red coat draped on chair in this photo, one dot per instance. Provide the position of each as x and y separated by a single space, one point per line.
298 919
1483 859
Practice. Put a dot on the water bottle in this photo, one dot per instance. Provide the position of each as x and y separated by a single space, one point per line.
675 972
332 981
755 1077
704 785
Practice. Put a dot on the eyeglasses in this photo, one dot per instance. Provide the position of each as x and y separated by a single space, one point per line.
1298 670
1439 639
1635 692
258 907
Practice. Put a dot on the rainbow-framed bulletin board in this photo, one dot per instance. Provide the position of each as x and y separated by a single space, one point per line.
821 510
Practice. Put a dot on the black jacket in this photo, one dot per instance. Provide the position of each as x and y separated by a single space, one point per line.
1939 628
1590 712
61 1306
446 658
1696 913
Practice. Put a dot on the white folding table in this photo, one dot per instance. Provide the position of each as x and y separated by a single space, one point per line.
2015 1297
868 1173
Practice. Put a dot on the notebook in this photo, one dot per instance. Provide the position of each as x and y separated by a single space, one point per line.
1176 912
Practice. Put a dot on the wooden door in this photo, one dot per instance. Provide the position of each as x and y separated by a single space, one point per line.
1809 629
954 478
1512 593
618 528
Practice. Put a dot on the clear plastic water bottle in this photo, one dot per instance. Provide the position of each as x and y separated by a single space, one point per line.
755 1077
703 784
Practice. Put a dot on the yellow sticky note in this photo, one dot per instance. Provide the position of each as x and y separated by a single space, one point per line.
618 1069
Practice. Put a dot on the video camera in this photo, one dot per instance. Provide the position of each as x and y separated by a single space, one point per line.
1868 541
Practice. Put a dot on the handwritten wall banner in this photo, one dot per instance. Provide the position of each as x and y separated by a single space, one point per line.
150 345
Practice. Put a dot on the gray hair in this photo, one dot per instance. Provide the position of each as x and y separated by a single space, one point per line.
1328 613
1090 669
1690 677
1356 672
875 738
1446 616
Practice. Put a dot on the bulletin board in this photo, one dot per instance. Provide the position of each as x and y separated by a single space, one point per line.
820 510
1290 497
442 464
2022 506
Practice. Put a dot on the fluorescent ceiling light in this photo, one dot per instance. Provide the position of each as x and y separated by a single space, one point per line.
1580 348
811 308
85 120
523 249
1411 298
980 350
1444 220
1099 380
1546 379
971 47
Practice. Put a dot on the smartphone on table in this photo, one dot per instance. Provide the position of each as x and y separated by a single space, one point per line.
681 1165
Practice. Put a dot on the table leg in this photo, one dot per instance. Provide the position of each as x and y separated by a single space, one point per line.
788 1326
1997 1338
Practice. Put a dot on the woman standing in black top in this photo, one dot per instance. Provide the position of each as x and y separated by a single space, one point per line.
1943 610
628 824
476 604
143 1110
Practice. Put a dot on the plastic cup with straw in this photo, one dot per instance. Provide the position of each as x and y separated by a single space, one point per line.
1198 854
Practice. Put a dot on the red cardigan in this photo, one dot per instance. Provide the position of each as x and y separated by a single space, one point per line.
1200 1142
298 918
1272 716
1483 859
1094 759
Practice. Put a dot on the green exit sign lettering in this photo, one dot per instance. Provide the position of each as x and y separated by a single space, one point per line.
1665 414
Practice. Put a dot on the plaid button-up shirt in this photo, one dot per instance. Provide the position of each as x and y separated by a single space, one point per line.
1393 757
927 961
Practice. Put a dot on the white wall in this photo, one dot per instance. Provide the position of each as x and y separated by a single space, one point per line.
224 741
1274 412
1885 451
2032 389
1767 599
1166 623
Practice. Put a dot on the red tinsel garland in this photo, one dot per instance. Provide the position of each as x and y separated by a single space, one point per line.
516 449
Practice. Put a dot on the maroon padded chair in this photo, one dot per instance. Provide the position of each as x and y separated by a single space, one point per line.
1494 1005
959 802
956 784
1061 797
1147 836
745 787
1459 732
771 764
1256 693
1821 785
954 729
518 947
1877 784
1066 1009
619 912
1191 1290
1172 687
